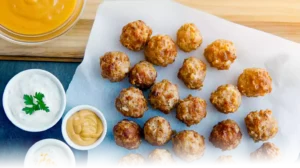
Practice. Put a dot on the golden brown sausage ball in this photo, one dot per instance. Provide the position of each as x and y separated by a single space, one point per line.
188 145
127 134
135 35
267 152
225 159
132 160
191 110
142 75
115 66
261 126
189 37
227 98
157 131
164 96
161 50
226 135
161 157
254 82
220 54
131 103
192 73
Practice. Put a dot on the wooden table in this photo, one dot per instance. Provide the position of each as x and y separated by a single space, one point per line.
279 17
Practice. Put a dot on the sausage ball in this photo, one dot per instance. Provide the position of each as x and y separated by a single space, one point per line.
161 156
226 135
225 159
132 160
157 131
127 134
227 98
135 35
164 96
261 126
192 73
188 145
142 75
267 152
189 37
254 82
115 66
191 110
220 54
131 103
161 50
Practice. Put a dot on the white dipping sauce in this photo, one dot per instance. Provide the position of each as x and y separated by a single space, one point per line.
50 156
30 83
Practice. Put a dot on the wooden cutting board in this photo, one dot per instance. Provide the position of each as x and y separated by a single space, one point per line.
279 17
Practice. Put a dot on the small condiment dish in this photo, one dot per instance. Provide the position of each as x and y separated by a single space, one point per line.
13 101
34 154
75 110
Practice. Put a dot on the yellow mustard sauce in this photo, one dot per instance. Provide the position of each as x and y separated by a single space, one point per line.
32 17
84 128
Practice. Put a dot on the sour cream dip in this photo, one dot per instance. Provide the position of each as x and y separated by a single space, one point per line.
29 83
49 153
49 156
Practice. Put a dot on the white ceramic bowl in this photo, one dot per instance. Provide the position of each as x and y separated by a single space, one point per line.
75 110
7 98
28 163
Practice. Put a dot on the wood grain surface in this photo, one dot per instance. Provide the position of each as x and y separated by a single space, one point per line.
279 17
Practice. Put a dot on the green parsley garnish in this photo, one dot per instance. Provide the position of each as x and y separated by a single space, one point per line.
38 104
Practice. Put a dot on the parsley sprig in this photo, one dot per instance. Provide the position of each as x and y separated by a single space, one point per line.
38 104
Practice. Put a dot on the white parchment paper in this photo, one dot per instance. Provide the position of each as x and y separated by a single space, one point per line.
254 49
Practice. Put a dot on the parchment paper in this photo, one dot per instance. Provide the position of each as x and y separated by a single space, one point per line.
254 49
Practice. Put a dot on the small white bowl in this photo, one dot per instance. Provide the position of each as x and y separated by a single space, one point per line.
7 98
28 163
75 110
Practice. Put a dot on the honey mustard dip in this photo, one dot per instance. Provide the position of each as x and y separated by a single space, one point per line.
32 17
84 128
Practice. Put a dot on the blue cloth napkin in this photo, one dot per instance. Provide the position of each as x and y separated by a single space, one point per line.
15 142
